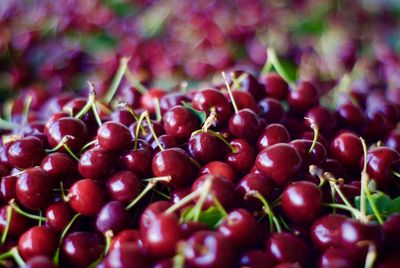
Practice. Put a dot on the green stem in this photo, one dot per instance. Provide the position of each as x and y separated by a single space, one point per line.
187 199
26 214
96 114
315 128
364 185
219 206
342 196
271 54
397 174
373 206
66 147
13 253
150 126
138 127
56 258
6 125
371 256
219 136
266 68
161 193
134 82
203 196
228 87
87 145
123 64
25 113
7 227
158 110
355 212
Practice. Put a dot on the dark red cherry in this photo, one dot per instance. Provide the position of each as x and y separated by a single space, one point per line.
206 147
175 163
123 117
323 118
206 249
17 225
388 260
245 124
74 106
171 100
126 256
218 168
95 163
325 231
240 227
286 247
131 96
26 152
144 131
8 187
87 197
393 139
253 182
245 100
166 141
347 149
242 158
303 97
68 126
179 122
191 227
151 213
280 162
127 236
114 137
335 258
37 241
112 216
271 110
58 216
302 202
58 165
40 262
80 249
272 134
211 99
221 188
162 235
333 166
316 157
138 161
256 259
34 188
350 116
391 229
123 186
148 99
249 84
275 86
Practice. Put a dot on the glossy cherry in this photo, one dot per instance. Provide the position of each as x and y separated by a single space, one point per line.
114 137
303 97
257 259
138 161
37 241
241 159
271 110
26 152
275 86
8 187
316 157
392 230
272 134
347 149
112 216
127 255
334 257
179 122
245 124
123 186
40 261
148 99
127 236
87 197
205 147
59 165
151 213
253 182
325 231
58 216
17 225
95 163
218 168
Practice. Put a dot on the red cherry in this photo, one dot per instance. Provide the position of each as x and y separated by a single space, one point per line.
87 197
179 122
123 186
347 149
325 231
218 168
26 152
37 241
114 137
272 134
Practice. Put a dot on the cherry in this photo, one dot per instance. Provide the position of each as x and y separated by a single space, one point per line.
87 197
127 236
114 137
191 227
148 99
112 216
347 149
8 187
211 99
380 163
316 157
249 84
286 247
162 235
218 168
335 258
272 110
127 255
26 152
37 241
257 259
123 186
206 147
17 225
275 86
221 188
75 106
302 201
392 230
323 118
166 141
245 124
280 162
58 165
303 97
179 122
393 139
171 100
325 231
242 158
34 188
253 182
123 117
58 216
144 132
206 249
240 227
175 163
350 116
131 96
40 262
151 213
272 134
245 100
95 163
138 161
68 126
80 249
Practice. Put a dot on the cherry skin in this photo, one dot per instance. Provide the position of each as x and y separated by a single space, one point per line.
393 139
34 188
162 235
171 100
245 100
207 100
123 117
144 131
257 259
58 165
323 118
245 124
151 213
271 110
175 163
350 116
127 236
249 84
191 227
68 126
138 161
17 225
253 182
166 141
286 247
179 122
272 134
127 255
131 96
26 152
242 158
218 168
240 227
114 137
87 197
40 262
58 216
303 97
112 216
80 249
335 258
302 201
123 186
8 187
325 231
37 241
392 230
275 86
148 99
280 162
205 147
95 163
347 149
316 157
206 249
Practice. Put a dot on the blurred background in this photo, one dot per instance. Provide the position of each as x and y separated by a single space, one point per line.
59 45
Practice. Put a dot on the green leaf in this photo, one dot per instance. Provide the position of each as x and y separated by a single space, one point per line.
385 205
202 116
212 217
286 69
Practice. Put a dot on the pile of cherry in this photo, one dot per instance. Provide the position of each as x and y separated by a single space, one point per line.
249 173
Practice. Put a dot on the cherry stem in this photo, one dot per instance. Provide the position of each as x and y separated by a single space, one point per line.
364 185
315 128
150 185
183 87
187 199
354 211
228 87
219 206
397 174
158 110
161 193
94 104
13 252
7 125
138 128
206 188
127 107
108 238
237 81
7 227
63 143
194 162
7 110
208 122
25 113
266 68
371 255
87 145
56 258
266 207
219 136
26 214
134 82
88 105
150 126
123 64
179 259
271 55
